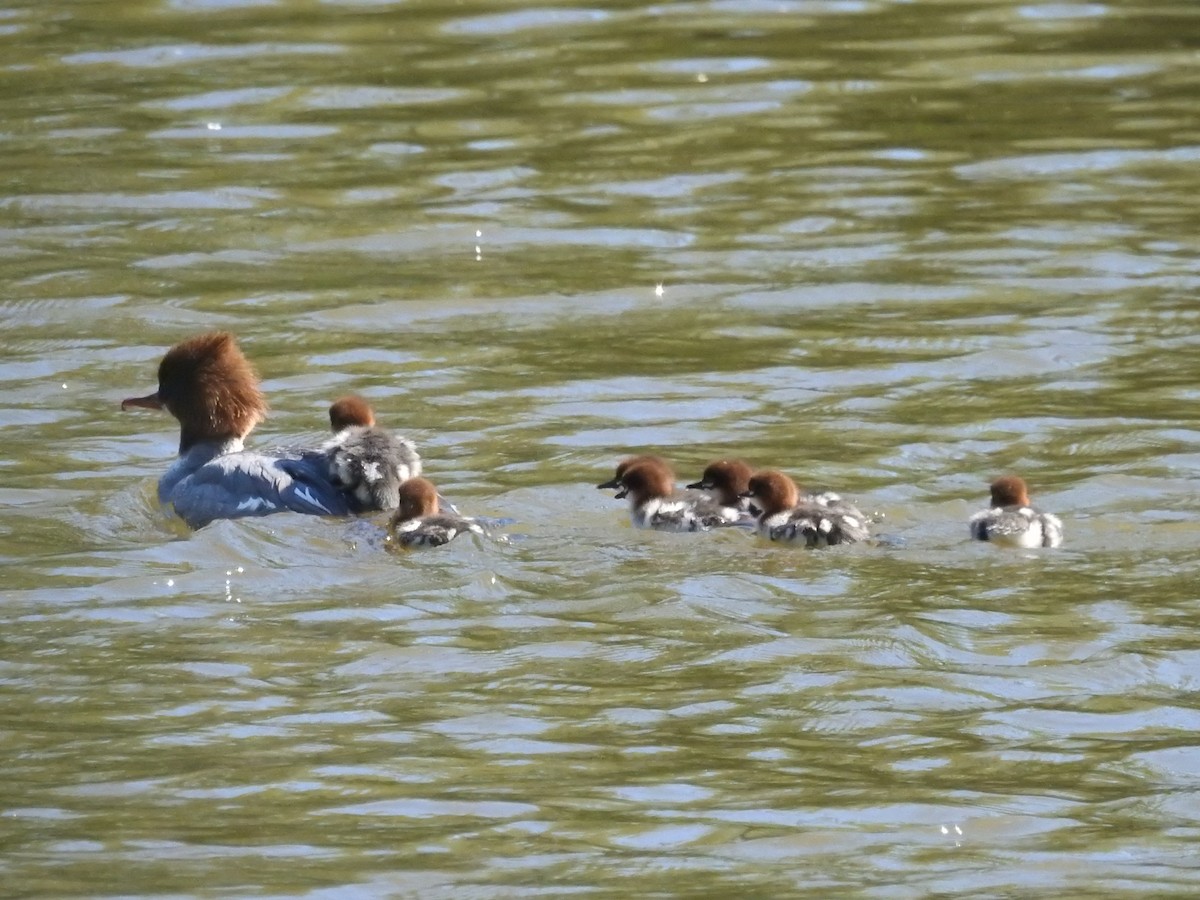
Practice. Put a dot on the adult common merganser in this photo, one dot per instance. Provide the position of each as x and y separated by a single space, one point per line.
649 482
367 462
419 522
814 520
212 390
726 480
1013 521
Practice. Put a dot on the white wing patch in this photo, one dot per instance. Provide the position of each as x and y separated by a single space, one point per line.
306 495
254 504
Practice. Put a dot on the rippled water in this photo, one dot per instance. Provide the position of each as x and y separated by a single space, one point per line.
902 248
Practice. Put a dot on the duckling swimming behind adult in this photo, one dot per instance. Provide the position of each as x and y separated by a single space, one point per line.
788 516
1012 521
419 522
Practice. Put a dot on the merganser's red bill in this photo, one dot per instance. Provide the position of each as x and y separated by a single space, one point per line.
150 401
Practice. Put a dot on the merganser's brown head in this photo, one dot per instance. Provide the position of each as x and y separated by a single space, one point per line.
624 465
728 479
1009 490
349 411
210 387
418 498
645 479
772 492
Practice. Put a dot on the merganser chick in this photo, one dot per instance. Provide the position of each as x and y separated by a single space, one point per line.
726 480
814 520
212 390
1012 521
649 483
419 522
367 462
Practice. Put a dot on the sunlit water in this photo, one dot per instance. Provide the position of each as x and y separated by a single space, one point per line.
902 248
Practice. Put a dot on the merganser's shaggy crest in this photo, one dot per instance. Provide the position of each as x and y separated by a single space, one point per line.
726 480
814 520
367 462
419 523
649 483
1013 521
212 390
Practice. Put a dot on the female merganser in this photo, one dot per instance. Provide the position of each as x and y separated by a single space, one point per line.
419 523
210 387
814 520
367 462
1012 521
649 482
726 480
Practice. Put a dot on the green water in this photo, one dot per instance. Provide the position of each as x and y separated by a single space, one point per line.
903 248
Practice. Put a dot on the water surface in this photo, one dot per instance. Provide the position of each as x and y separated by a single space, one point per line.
902 248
